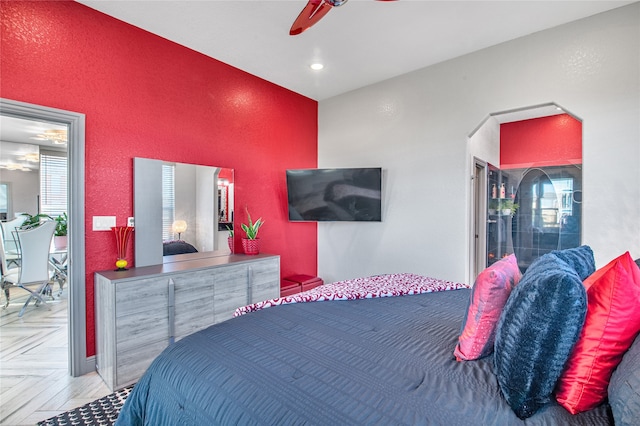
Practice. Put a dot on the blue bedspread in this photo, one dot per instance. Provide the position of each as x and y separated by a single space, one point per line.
385 361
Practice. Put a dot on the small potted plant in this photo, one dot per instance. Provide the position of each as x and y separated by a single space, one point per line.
60 234
502 206
250 243
34 220
493 205
508 207
230 238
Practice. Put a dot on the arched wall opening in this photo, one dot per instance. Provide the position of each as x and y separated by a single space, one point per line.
527 185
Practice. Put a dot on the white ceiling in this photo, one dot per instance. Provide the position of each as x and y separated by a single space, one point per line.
360 43
20 137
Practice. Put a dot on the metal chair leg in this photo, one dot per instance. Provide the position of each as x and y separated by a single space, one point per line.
6 294
34 295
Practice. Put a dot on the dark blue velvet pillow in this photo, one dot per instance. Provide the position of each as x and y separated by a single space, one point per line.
169 248
580 258
539 326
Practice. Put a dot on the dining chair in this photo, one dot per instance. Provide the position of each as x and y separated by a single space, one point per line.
34 244
5 273
10 245
58 261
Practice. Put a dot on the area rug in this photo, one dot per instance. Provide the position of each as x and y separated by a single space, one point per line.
103 411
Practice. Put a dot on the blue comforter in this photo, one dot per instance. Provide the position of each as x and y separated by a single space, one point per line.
386 361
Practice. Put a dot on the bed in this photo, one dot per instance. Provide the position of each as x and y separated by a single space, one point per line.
382 356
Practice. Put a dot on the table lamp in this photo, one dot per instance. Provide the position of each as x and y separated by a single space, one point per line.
179 226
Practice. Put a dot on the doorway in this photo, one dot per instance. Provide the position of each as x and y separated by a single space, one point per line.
479 229
79 364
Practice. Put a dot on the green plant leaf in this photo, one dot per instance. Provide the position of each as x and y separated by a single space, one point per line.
251 229
35 219
61 225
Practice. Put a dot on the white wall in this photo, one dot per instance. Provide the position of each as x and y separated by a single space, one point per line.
195 202
484 144
206 198
25 188
184 197
416 127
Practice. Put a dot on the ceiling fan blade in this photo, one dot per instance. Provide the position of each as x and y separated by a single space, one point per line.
313 12
310 15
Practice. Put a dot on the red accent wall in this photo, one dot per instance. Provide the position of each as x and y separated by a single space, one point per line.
144 96
540 142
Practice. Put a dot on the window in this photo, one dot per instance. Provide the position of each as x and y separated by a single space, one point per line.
168 200
53 183
4 201
564 192
553 203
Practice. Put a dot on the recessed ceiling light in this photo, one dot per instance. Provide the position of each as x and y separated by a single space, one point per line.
31 157
15 166
55 136
316 67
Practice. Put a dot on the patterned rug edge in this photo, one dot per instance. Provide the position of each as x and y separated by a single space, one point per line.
102 411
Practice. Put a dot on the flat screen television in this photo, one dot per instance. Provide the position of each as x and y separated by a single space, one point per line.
319 195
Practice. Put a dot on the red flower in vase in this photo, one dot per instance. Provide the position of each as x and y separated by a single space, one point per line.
122 234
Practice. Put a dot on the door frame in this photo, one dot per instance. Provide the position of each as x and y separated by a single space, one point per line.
79 364
478 242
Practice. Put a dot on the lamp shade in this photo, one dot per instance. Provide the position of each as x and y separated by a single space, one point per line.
179 226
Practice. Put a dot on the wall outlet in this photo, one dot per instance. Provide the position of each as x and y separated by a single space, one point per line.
103 223
130 222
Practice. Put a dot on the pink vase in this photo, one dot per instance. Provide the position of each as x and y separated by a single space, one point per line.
230 242
251 246
60 242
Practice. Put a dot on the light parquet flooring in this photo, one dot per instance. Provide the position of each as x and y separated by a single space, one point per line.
34 374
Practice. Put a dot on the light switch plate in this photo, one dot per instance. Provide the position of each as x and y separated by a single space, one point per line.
130 222
103 223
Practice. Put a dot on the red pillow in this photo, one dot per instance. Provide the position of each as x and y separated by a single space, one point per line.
489 295
611 325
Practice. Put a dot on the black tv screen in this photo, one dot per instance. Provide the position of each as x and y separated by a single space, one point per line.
335 194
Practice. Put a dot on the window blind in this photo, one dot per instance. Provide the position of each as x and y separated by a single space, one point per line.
53 184
168 200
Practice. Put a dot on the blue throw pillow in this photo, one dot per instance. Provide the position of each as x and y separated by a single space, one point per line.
539 326
580 258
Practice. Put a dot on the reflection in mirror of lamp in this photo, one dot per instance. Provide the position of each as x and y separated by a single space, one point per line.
166 192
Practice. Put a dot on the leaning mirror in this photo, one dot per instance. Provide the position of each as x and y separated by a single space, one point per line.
181 211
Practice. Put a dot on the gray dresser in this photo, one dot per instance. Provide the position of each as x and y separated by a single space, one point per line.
139 312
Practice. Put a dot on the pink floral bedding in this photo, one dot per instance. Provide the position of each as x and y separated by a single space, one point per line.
361 288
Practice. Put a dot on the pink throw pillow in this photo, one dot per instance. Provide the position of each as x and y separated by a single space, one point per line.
488 296
611 325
